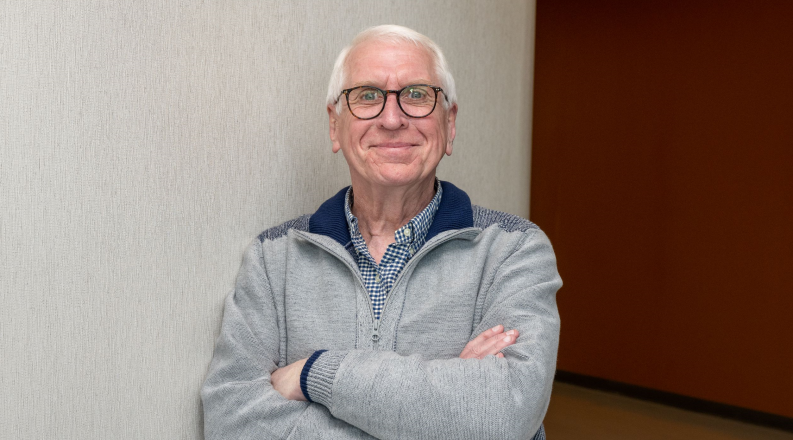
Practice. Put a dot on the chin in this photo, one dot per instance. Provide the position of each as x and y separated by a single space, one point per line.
399 178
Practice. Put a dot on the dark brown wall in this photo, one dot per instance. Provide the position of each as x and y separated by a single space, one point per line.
662 170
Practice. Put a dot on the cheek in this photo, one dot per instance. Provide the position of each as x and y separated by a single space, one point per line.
436 134
356 133
354 138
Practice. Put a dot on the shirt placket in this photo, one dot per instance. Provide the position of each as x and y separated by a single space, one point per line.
380 278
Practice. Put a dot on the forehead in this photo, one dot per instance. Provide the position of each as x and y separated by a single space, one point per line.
389 64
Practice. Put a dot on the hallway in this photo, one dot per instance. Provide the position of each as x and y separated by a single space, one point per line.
578 413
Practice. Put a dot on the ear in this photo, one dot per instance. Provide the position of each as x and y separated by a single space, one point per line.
333 121
451 118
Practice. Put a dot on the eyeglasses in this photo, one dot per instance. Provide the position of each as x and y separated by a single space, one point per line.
367 102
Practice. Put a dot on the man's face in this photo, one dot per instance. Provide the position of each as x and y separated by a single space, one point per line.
392 149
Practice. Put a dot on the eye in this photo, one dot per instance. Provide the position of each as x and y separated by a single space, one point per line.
416 93
369 95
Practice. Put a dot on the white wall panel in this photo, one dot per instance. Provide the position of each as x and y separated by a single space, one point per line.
144 144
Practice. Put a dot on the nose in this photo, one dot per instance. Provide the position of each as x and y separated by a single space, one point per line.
392 117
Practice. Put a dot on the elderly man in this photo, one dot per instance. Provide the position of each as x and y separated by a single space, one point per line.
397 310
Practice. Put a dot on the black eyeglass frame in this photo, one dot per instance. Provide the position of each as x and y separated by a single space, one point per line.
346 93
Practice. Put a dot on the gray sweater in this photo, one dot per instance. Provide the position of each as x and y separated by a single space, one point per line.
299 290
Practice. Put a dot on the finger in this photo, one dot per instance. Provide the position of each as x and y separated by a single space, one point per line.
491 346
489 333
497 343
512 332
499 355
474 347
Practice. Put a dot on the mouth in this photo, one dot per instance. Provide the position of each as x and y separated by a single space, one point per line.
393 145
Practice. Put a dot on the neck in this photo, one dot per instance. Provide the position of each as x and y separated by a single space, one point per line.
383 210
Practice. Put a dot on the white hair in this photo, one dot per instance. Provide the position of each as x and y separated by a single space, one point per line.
390 33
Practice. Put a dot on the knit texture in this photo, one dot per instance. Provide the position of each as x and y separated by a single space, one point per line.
300 291
484 218
320 378
304 373
300 223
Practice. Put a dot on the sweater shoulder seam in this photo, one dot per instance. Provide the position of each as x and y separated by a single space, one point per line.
484 218
276 232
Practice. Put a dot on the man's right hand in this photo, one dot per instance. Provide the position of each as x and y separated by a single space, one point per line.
491 341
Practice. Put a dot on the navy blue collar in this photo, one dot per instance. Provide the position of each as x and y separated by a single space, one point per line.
454 212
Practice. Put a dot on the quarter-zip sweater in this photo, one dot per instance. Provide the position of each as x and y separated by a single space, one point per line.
299 291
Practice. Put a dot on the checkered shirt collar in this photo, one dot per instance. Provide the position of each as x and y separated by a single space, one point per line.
414 233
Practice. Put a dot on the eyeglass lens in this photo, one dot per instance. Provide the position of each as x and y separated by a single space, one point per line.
416 101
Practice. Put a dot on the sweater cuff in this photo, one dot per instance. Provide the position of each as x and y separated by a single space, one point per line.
304 372
316 379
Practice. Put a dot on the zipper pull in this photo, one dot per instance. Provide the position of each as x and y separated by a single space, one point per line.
376 332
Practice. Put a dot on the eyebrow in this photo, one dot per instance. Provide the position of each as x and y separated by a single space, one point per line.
366 83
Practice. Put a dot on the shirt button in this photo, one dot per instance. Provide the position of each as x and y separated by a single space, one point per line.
407 232
377 278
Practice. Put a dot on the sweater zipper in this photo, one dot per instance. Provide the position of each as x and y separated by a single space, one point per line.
376 331
375 336
375 328
424 249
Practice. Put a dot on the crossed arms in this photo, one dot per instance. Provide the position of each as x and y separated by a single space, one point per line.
286 380
498 387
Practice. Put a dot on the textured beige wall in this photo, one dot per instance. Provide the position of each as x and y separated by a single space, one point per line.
144 144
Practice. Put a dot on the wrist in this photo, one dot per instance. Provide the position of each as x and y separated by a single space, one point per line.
304 373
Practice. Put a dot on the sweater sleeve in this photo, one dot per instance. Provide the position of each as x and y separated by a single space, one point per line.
238 398
392 396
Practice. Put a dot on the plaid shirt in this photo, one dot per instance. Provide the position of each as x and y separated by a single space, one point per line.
379 279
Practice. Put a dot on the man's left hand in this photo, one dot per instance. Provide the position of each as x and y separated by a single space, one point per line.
489 342
286 380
